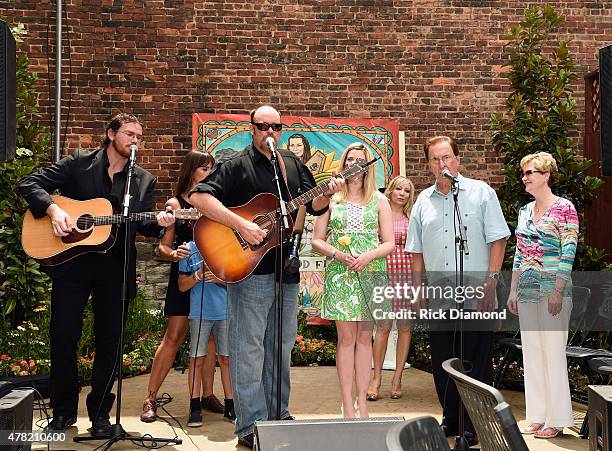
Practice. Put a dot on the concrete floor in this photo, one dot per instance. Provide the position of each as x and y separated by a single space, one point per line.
315 394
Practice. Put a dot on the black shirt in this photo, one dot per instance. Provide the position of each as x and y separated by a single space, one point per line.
236 181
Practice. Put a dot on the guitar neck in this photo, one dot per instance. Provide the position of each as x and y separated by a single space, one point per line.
120 219
307 197
320 189
143 216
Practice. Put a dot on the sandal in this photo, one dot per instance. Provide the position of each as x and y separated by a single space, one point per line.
396 394
372 394
532 428
548 433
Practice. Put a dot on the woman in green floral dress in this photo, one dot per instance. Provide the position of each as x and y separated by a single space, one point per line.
357 234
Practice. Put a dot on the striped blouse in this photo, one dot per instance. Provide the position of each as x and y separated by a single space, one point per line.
545 250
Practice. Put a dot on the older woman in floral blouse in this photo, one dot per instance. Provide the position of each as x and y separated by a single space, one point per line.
546 237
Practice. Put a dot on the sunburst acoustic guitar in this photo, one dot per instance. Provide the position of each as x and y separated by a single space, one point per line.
228 255
94 231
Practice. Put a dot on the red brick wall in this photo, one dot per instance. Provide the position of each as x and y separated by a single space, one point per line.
433 65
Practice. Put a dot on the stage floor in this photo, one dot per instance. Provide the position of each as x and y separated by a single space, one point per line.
315 394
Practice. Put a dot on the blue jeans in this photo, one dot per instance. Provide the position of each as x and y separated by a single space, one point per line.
251 336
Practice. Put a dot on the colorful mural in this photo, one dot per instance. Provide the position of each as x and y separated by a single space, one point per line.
323 141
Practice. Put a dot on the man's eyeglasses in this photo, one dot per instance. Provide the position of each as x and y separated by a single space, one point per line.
264 126
528 172
132 135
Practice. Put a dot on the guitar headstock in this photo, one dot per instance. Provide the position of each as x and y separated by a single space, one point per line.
190 214
358 167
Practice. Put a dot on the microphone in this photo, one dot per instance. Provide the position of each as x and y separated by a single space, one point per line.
292 264
271 145
133 150
446 173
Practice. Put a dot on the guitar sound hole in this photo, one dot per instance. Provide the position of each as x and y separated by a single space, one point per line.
84 222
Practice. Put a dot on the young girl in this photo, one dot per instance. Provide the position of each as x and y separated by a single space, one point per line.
207 315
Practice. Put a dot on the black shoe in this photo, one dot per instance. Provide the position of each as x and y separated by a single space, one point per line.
247 440
100 427
195 419
288 418
60 423
448 432
229 412
471 438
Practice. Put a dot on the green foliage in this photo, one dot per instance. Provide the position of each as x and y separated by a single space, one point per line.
540 118
21 281
25 348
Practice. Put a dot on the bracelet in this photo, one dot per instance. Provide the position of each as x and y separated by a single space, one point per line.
195 276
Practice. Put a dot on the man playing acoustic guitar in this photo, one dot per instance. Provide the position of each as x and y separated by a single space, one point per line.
85 175
251 313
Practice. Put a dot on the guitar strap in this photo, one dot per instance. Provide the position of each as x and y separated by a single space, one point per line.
299 224
281 163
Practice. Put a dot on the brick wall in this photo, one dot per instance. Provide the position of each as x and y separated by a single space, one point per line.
433 65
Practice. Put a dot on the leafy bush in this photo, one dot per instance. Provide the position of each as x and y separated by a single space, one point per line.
540 117
21 281
25 348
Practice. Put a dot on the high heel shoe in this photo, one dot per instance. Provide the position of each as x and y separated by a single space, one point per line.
372 394
396 394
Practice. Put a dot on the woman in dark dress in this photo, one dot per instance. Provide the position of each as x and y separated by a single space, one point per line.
172 246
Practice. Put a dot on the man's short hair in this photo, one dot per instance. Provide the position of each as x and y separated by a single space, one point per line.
116 123
436 139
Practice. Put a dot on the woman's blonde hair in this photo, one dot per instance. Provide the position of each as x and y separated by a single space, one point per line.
369 182
399 180
543 162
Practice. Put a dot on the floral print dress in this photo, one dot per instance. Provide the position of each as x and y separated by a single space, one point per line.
353 229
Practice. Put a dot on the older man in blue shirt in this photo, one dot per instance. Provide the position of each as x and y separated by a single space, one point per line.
431 239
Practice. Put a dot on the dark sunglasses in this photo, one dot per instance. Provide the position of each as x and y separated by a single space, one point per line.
264 126
528 172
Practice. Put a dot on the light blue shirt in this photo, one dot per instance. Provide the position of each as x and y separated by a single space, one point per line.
207 300
432 231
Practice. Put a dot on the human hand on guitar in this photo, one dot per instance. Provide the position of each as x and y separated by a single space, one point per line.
60 220
251 232
334 185
165 218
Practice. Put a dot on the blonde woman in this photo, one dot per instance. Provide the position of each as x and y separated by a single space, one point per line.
349 234
400 193
546 238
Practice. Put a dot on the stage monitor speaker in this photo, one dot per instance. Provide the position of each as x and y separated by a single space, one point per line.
324 435
8 113
16 416
605 110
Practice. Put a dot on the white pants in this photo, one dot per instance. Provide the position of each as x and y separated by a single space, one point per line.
544 338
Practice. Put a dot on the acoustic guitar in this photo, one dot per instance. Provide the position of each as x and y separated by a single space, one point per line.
95 229
228 255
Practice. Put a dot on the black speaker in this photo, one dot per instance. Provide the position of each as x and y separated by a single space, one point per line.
324 435
605 100
8 114
16 416
600 417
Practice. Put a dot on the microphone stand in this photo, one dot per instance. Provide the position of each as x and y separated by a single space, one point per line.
461 240
117 433
283 226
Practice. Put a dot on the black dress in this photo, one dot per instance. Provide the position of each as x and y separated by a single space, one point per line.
177 302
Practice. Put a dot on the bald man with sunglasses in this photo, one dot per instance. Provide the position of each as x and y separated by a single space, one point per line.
252 329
